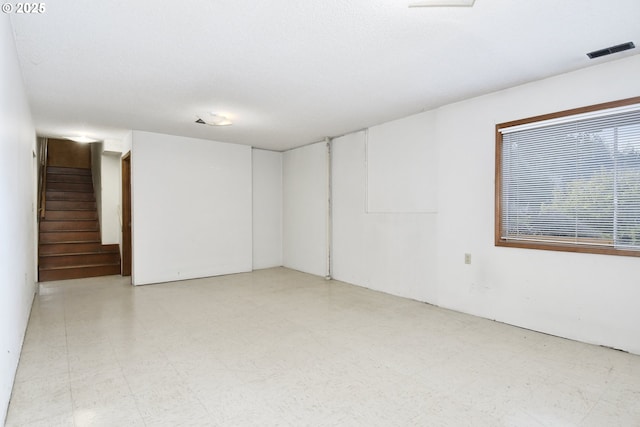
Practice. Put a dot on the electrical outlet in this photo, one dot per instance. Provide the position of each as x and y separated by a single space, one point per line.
467 258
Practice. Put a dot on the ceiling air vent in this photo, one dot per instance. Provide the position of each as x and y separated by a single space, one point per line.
610 50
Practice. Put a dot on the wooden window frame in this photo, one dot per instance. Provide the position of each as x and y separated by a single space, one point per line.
582 245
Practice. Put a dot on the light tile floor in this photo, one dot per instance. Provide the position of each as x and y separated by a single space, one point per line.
279 347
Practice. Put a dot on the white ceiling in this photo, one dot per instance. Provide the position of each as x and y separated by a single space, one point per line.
289 72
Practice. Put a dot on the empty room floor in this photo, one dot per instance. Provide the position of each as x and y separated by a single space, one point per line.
280 347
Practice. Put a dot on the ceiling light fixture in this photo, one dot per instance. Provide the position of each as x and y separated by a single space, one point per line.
82 139
441 3
213 119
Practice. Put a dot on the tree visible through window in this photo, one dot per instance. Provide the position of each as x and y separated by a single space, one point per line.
571 180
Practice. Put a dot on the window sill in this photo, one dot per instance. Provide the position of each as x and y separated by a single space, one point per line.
591 249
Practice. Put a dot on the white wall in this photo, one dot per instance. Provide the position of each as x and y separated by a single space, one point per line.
267 209
305 206
17 215
389 252
588 297
191 208
113 146
127 143
111 182
105 169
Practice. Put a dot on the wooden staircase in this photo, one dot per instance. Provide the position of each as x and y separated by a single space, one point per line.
70 245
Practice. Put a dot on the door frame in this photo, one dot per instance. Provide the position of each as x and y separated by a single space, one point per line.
126 215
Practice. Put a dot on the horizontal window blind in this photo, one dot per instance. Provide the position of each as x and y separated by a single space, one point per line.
573 182
571 118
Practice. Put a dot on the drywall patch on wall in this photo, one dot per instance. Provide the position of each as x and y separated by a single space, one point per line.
390 252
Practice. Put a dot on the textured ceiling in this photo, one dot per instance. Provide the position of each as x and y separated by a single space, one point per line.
287 72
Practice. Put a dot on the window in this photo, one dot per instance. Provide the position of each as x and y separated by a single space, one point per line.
570 181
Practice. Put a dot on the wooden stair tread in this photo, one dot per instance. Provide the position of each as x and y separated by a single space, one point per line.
74 220
70 237
75 254
74 187
71 205
68 196
70 215
73 248
95 252
68 171
108 247
67 267
80 229
84 232
68 179
83 228
72 210
77 273
72 242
